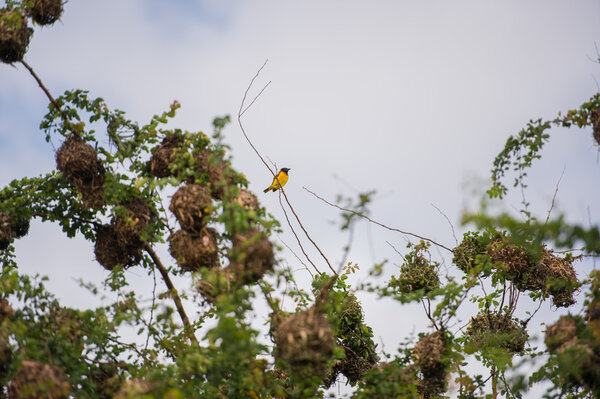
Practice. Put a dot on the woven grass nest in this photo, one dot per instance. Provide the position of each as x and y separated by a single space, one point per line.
560 333
111 252
428 355
419 274
193 251
358 358
191 204
6 355
80 165
595 116
247 200
11 228
120 243
134 388
162 156
35 380
497 330
14 35
213 168
46 12
130 226
251 256
218 282
552 275
107 380
6 311
305 342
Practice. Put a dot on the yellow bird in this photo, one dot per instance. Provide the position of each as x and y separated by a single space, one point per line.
279 181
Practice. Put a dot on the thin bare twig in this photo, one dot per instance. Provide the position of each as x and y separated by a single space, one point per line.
255 98
43 87
377 223
152 306
306 232
555 192
394 248
297 257
173 293
295 235
239 118
448 220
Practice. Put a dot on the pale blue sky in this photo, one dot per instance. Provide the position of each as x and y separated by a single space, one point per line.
413 99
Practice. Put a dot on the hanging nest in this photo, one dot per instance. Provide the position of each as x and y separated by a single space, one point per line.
251 256
515 261
418 274
20 227
64 321
595 117
130 226
428 355
216 283
472 246
213 168
162 156
111 252
429 352
357 343
11 228
80 165
560 333
78 161
247 200
6 311
353 367
305 343
46 12
134 388
190 204
14 35
35 380
6 233
552 275
106 379
497 330
579 364
6 355
193 251
391 377
561 278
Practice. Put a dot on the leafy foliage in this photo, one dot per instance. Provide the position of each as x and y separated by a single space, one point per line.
113 176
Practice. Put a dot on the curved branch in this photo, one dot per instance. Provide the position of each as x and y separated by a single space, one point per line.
173 292
377 223
241 111
52 100
297 239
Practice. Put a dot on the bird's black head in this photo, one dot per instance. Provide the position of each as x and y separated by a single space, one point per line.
285 170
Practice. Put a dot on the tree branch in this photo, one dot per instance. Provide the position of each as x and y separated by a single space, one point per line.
377 223
241 111
173 292
52 100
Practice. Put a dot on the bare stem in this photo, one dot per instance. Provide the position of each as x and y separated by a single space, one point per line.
377 223
241 111
297 239
43 87
173 293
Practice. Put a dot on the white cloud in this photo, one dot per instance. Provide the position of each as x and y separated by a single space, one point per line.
406 98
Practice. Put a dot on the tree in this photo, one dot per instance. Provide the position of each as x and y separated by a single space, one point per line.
113 196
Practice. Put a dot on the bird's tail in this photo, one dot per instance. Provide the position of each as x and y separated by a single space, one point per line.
266 189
